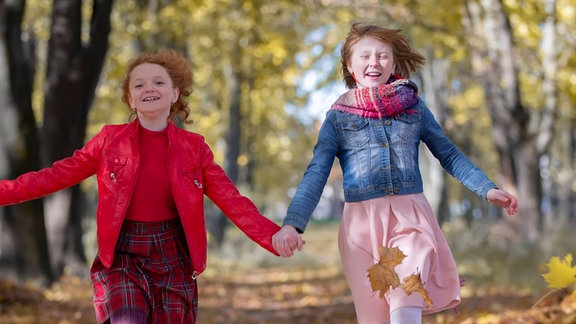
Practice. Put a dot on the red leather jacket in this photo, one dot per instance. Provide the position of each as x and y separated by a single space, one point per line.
113 155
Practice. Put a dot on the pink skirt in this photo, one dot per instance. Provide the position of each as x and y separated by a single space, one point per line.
406 222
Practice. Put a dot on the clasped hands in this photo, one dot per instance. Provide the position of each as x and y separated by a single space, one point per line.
287 240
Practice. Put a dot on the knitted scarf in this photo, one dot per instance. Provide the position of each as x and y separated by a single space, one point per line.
383 101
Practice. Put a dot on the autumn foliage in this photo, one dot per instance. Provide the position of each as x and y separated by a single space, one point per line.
561 273
383 276
309 288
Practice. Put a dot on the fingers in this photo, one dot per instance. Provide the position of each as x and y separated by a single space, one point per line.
508 202
512 207
503 199
286 241
301 243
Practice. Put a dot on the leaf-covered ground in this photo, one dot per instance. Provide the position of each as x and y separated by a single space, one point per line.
253 287
274 296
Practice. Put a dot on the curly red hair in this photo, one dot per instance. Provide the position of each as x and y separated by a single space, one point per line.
180 72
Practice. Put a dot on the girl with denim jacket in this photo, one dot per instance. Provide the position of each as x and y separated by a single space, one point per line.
375 130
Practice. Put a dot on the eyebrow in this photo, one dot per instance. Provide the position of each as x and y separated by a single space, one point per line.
154 77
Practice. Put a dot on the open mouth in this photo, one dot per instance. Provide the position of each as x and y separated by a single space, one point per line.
373 74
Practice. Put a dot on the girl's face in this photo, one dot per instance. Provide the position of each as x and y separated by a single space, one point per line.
371 62
151 91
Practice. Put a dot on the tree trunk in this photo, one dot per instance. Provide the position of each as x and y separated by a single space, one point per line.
232 148
73 70
24 255
520 138
434 79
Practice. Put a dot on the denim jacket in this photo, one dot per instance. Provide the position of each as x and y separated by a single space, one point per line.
379 157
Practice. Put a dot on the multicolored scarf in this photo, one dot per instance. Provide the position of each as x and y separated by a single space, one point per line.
384 101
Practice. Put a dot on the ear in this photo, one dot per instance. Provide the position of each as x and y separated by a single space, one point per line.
349 68
176 92
131 102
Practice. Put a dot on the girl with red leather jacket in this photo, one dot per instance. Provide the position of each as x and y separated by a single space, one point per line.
152 178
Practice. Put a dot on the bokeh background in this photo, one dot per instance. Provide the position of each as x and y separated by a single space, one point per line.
500 77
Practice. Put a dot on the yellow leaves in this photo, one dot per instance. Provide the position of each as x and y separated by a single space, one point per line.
413 283
383 276
561 273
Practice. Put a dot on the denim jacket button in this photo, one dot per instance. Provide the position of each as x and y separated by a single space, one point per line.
388 122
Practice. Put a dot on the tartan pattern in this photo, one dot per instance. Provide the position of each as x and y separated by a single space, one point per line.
383 101
152 272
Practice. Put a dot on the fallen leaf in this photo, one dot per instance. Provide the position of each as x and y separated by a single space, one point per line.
413 283
382 275
561 273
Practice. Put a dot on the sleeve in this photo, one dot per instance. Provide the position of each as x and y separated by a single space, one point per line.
452 159
62 174
238 208
310 189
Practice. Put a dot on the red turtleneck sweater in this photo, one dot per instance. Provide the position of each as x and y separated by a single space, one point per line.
152 200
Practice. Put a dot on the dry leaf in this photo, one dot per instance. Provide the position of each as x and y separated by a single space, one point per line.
382 275
414 283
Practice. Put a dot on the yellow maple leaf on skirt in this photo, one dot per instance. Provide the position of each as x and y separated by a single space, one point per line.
382 275
414 283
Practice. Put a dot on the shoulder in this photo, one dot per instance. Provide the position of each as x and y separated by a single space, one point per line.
420 109
117 128
110 131
187 135
188 140
421 106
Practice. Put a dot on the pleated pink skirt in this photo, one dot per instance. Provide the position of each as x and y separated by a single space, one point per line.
406 222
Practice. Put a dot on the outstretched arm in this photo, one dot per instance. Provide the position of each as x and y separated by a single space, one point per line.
503 199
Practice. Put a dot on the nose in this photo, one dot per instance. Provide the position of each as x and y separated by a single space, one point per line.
148 87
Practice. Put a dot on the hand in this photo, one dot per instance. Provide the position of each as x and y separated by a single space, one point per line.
503 199
286 240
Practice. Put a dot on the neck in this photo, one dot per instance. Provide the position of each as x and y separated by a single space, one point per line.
153 125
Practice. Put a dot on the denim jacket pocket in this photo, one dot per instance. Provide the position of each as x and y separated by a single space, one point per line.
356 132
407 126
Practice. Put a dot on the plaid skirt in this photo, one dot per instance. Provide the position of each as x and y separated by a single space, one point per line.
152 272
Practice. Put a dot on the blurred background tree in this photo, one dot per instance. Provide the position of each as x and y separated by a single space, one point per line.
499 78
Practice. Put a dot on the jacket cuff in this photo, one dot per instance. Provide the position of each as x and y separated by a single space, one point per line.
298 222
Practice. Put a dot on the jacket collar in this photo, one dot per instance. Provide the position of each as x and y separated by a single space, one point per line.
134 131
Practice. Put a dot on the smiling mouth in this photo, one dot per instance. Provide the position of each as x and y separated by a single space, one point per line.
373 74
150 99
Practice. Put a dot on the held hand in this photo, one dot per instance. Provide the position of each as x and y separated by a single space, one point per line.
286 240
503 199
